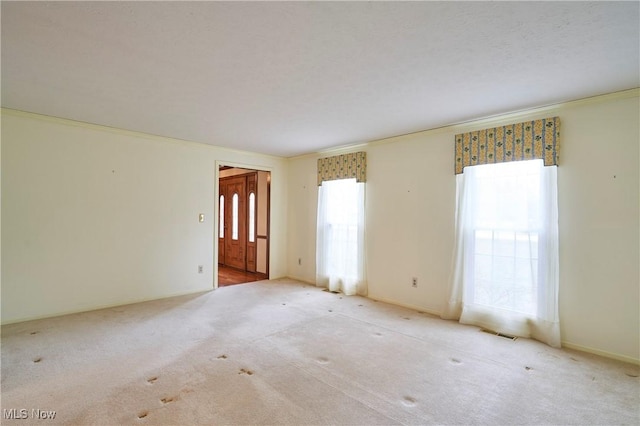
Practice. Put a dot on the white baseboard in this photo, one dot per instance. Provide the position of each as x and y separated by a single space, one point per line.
599 352
406 305
99 307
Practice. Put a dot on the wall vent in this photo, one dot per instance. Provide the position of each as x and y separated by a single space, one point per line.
495 333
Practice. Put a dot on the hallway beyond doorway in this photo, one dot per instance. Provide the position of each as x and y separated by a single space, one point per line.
231 276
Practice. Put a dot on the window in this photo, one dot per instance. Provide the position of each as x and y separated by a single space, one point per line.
506 224
506 273
221 216
252 217
340 236
234 217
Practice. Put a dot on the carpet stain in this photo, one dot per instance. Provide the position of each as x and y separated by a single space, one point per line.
377 334
528 368
407 318
223 356
152 380
631 374
548 355
245 371
143 414
455 361
330 310
33 333
37 360
322 360
408 401
168 399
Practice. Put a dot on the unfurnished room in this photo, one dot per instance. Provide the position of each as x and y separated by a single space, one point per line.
304 213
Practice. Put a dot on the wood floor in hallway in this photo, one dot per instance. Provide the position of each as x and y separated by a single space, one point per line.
231 276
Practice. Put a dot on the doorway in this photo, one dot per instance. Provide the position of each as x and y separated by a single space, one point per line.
243 219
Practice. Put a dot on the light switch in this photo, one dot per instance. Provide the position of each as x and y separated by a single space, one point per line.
201 217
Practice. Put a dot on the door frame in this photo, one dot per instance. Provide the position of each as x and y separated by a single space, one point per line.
216 211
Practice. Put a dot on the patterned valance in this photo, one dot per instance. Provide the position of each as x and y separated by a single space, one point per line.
346 166
530 140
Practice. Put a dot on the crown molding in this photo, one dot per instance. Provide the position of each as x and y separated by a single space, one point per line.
482 123
131 133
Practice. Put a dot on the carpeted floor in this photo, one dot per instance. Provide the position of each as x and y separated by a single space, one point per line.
282 352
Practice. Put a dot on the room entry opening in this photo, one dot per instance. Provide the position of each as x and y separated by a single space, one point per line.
243 233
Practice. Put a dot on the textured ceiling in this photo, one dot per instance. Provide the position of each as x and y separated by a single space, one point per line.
292 78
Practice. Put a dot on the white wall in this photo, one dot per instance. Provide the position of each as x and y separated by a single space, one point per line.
410 210
95 217
233 172
598 197
262 226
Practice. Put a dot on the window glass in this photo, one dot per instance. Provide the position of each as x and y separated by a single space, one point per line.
234 219
252 217
221 216
506 225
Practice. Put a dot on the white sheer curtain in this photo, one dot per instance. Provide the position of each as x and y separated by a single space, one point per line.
505 272
340 237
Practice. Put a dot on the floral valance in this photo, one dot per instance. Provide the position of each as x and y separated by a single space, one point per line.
346 166
530 140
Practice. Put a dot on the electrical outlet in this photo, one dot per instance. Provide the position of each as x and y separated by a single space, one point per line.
414 282
200 269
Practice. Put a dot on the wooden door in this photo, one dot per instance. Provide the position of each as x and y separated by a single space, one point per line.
235 221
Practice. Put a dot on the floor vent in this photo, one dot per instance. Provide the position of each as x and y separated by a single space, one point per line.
506 336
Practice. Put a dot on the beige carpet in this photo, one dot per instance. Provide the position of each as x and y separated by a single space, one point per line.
281 352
